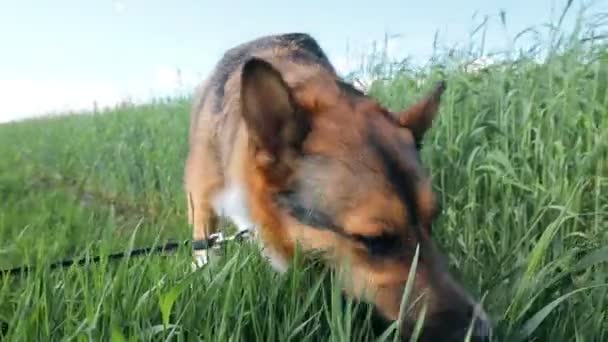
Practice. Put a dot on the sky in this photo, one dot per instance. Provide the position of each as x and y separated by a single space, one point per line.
65 54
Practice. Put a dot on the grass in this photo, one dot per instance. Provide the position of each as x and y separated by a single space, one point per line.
519 157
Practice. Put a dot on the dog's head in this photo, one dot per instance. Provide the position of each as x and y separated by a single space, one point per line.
337 172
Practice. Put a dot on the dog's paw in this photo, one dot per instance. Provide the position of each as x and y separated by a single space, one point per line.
201 259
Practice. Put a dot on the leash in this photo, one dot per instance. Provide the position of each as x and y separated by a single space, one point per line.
213 241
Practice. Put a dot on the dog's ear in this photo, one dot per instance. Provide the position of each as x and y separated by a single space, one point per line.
276 125
419 117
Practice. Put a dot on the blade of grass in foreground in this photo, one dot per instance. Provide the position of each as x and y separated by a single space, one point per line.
534 322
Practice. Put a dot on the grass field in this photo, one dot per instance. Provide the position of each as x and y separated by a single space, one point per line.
519 156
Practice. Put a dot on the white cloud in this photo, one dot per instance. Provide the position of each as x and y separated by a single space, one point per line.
360 53
344 64
22 98
166 77
172 80
393 48
119 6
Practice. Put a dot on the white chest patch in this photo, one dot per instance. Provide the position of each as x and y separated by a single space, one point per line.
278 263
231 202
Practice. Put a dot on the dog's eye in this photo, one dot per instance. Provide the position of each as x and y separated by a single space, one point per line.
379 245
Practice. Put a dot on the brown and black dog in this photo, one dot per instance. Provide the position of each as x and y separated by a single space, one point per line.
279 143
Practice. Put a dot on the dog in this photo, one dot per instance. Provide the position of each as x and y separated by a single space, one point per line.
284 146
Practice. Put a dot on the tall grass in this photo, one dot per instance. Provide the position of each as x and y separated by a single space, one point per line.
519 156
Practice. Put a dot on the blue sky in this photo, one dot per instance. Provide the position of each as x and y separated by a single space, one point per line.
64 54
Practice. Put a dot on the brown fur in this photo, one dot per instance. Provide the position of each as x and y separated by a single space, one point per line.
275 117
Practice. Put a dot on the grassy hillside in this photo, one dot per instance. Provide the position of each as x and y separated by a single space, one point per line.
519 156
